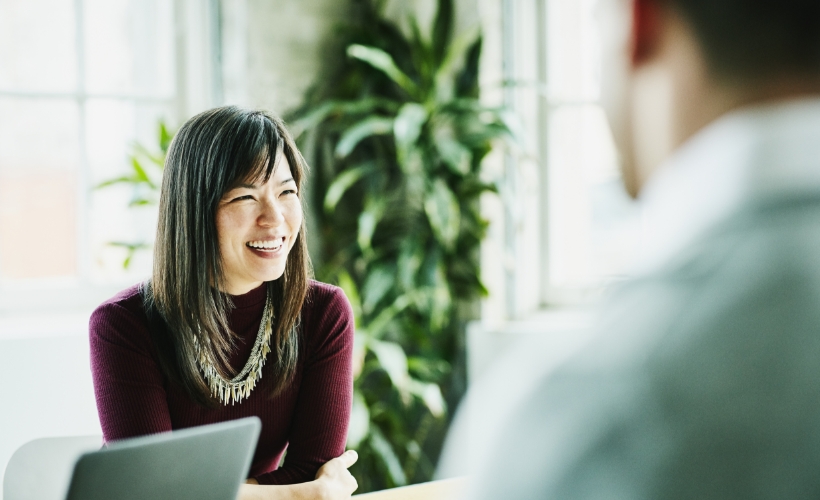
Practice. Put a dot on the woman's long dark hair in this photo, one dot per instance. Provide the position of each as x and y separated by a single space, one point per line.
210 153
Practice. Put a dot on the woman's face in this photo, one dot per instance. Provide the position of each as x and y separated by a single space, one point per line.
257 224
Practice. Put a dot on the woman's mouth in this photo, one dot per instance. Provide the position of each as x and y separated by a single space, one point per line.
267 248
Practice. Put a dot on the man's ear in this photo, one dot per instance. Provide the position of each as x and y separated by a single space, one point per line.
645 35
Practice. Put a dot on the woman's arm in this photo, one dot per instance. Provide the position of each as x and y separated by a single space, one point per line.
322 413
333 482
128 383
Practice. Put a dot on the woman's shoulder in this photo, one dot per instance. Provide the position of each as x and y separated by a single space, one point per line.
322 297
324 292
326 307
129 299
119 314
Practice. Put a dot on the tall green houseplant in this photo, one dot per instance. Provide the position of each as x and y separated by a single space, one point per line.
395 135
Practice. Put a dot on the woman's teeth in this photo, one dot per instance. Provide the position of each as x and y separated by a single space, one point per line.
267 245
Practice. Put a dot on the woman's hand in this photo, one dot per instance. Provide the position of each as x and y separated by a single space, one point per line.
335 482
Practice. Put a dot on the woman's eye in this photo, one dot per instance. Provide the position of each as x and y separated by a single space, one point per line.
289 191
245 197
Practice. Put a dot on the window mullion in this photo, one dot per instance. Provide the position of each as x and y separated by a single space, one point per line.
83 174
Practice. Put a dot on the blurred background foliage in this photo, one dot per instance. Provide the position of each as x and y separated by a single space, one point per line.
395 136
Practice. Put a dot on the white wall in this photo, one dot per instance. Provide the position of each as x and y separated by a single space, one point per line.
46 389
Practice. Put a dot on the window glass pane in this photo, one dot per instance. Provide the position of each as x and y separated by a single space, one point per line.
39 156
37 134
572 44
525 43
38 224
38 46
129 46
592 221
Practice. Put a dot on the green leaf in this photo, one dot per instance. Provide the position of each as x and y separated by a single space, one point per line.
359 421
117 180
131 248
440 300
157 160
410 260
455 155
312 118
407 126
342 183
383 62
368 220
141 202
456 58
346 109
377 327
374 125
441 207
430 395
165 137
385 451
442 30
139 245
139 173
393 361
378 283
467 78
428 368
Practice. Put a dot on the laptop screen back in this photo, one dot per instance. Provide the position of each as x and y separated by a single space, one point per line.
200 463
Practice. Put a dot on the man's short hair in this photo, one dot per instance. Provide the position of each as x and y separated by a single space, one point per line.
753 39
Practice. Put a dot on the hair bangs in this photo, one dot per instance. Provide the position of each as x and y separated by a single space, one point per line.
253 159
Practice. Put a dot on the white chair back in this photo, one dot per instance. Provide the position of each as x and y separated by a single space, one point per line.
41 469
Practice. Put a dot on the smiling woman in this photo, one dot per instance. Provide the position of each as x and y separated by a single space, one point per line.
230 325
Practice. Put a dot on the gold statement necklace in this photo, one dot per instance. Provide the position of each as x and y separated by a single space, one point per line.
240 387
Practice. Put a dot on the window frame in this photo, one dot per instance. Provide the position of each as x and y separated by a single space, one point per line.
198 74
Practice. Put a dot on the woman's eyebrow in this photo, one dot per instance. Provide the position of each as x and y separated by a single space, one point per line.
245 185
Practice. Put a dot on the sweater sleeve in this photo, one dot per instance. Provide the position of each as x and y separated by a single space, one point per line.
319 425
128 382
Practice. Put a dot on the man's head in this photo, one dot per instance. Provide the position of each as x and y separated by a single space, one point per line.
672 66
752 40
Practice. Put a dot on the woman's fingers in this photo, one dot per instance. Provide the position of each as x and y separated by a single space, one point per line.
339 464
335 480
348 458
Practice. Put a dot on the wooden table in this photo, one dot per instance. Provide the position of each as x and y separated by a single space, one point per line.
445 489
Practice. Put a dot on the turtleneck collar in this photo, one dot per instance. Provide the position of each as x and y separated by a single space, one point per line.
251 298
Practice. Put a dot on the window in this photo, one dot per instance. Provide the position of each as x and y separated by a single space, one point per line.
81 82
568 226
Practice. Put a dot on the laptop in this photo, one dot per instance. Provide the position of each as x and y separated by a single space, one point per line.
199 463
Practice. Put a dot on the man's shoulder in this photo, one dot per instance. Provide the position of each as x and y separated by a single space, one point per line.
763 264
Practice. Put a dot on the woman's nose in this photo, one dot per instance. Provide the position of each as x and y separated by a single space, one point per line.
272 214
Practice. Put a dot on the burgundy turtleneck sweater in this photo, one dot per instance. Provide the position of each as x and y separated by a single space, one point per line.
310 417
